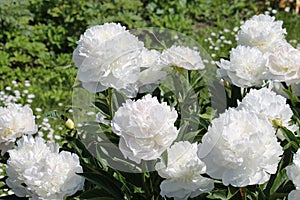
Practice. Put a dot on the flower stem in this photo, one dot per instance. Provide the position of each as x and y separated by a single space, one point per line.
243 192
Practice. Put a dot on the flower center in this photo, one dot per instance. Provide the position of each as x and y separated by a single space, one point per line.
7 132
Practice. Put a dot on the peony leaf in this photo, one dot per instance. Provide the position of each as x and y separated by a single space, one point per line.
218 194
291 138
279 180
191 135
95 194
109 184
164 158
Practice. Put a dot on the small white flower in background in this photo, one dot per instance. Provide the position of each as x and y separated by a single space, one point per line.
146 128
151 70
293 173
270 106
240 148
27 83
183 172
183 57
8 88
246 67
284 64
15 120
106 56
39 170
263 32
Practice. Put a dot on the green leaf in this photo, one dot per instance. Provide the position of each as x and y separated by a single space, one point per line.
94 194
55 114
164 157
218 194
105 181
290 137
279 180
191 135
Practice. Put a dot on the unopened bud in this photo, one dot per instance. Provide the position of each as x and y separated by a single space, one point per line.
277 122
70 124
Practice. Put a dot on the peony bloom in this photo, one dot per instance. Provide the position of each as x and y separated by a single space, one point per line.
151 70
246 67
15 120
263 32
183 57
55 177
270 106
293 173
146 128
240 148
284 64
106 56
37 169
183 172
294 195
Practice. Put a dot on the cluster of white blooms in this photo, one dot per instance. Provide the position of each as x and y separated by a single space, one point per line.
146 128
241 147
38 169
15 120
293 173
109 56
262 54
183 172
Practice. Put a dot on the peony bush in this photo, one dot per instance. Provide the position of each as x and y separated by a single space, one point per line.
156 118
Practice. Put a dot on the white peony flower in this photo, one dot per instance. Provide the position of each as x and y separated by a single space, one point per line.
27 152
270 106
146 128
55 177
183 172
240 148
151 70
284 64
106 56
293 173
261 31
15 120
183 57
37 169
294 195
246 67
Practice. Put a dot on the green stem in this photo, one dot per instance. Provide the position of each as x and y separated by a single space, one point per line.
109 102
243 192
